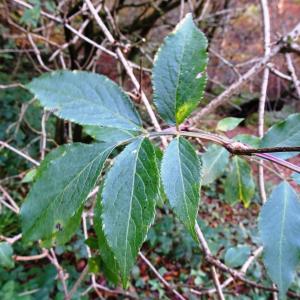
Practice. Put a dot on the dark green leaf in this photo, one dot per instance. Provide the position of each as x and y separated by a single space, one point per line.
109 263
214 161
284 134
63 181
279 228
6 253
228 123
239 184
129 197
161 199
86 98
109 134
181 177
179 76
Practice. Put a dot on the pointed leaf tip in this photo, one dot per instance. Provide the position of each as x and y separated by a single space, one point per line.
179 73
129 196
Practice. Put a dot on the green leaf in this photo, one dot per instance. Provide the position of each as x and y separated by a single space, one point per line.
6 253
161 199
109 134
109 263
129 197
63 181
236 256
181 177
239 184
29 177
248 139
179 76
284 134
86 98
279 225
214 161
229 123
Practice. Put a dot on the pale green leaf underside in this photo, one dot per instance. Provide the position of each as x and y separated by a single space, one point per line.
109 134
284 134
239 184
6 253
214 162
181 177
85 98
229 123
179 76
236 256
129 197
248 139
279 229
63 181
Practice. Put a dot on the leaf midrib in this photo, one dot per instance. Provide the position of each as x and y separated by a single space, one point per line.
88 101
282 229
179 76
184 194
51 203
130 205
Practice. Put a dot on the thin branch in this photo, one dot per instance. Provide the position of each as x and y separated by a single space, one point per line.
207 252
263 93
126 65
236 86
292 71
32 257
236 147
78 282
27 157
228 281
61 274
160 278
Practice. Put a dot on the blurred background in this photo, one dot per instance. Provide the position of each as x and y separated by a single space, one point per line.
39 36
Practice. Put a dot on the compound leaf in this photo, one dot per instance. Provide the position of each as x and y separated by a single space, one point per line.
179 76
85 98
239 184
285 133
181 177
129 196
63 181
279 229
